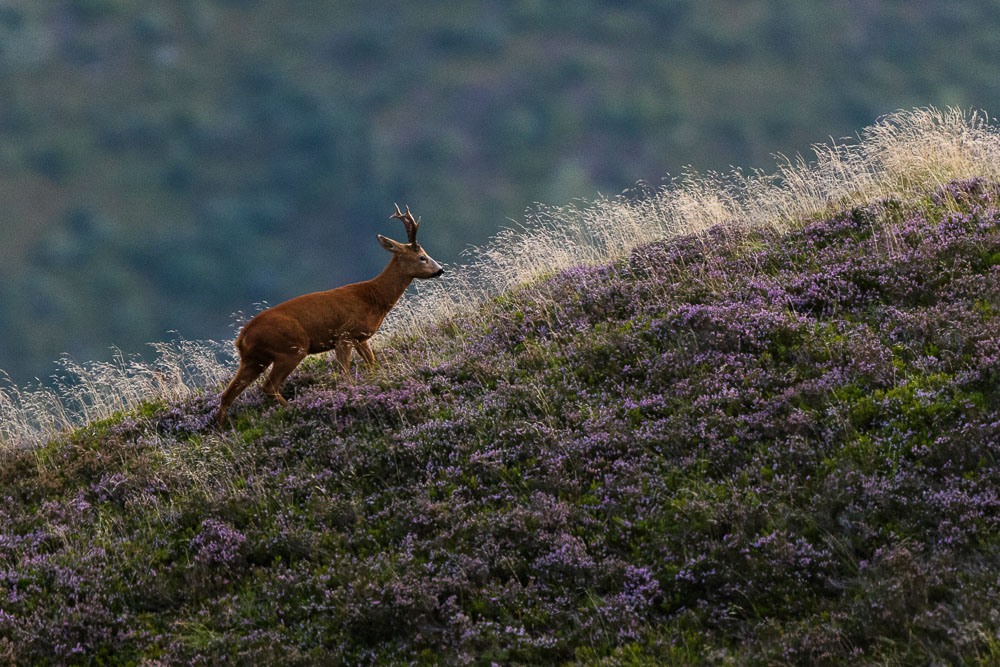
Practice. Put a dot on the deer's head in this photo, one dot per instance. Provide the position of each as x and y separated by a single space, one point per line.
412 259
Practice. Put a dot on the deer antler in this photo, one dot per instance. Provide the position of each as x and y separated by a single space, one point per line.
408 222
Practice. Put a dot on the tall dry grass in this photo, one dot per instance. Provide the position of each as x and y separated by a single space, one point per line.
903 155
81 393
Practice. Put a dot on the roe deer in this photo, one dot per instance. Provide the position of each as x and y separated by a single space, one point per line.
341 319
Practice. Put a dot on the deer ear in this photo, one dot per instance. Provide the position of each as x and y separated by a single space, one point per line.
388 244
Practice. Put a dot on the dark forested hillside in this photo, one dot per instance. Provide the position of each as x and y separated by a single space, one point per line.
164 164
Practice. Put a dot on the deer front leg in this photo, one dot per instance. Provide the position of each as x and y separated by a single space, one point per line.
365 351
343 351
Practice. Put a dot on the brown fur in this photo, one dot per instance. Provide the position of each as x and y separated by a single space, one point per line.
341 319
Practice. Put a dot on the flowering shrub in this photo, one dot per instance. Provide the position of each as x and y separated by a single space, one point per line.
745 446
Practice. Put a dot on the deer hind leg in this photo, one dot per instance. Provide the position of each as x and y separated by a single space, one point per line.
365 351
281 369
247 373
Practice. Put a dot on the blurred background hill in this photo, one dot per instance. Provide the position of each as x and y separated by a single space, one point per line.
164 164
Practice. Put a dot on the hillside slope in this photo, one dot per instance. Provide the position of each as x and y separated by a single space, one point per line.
746 445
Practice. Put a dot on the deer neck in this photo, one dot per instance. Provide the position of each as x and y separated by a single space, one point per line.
388 286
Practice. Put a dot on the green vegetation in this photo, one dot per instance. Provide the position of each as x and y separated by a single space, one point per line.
751 446
164 164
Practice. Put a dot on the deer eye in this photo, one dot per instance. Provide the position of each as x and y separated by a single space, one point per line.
423 259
